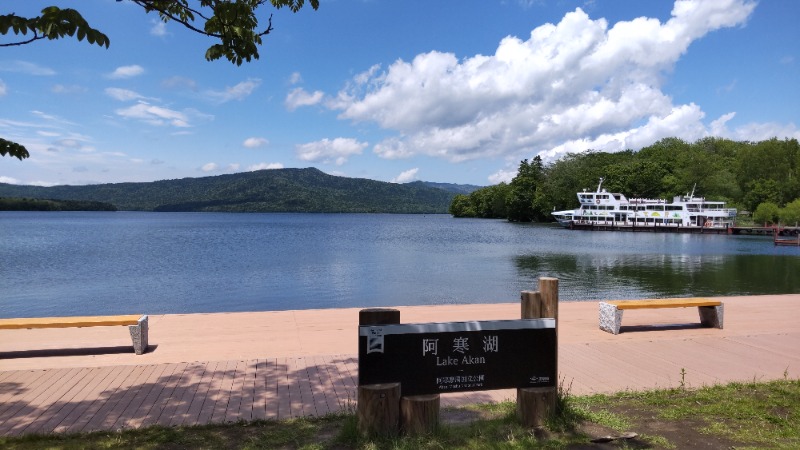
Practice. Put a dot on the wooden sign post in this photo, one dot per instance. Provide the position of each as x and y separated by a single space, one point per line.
378 409
534 404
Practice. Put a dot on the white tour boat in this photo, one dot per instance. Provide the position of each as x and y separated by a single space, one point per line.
612 209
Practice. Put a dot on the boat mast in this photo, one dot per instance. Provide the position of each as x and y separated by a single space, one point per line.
600 184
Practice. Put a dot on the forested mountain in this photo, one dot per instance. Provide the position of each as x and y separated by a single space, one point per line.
274 190
760 177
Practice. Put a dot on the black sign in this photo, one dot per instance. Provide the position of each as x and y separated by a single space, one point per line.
433 358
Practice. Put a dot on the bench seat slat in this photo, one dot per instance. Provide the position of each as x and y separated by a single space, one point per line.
69 322
664 303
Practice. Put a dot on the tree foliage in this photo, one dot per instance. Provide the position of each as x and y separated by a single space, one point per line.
790 214
35 204
13 149
54 23
766 213
745 174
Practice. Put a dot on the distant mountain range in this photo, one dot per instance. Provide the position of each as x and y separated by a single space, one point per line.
273 190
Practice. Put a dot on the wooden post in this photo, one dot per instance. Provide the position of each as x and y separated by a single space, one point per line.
378 408
419 413
535 404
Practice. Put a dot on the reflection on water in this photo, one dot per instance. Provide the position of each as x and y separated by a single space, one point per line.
591 276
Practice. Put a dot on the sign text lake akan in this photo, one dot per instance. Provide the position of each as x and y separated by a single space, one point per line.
434 358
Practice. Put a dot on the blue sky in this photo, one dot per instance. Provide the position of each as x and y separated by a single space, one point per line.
392 90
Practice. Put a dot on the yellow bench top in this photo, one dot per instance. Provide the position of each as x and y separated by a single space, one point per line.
69 322
664 303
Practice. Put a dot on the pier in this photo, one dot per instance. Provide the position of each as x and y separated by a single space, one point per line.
767 231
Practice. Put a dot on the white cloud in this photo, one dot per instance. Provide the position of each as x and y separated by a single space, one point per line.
300 97
68 89
406 176
295 78
210 167
26 68
326 150
3 88
159 28
155 115
177 82
263 166
9 180
122 95
502 176
753 131
255 142
127 71
575 83
237 92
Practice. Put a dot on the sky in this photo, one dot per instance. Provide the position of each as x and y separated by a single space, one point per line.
396 90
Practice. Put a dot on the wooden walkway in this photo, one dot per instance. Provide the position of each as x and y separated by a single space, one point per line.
72 391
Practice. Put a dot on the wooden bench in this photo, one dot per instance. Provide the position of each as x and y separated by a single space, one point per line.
711 311
137 325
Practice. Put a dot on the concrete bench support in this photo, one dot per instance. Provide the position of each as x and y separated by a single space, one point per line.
139 335
711 311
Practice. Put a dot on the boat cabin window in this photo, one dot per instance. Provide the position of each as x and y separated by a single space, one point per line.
655 207
674 208
616 196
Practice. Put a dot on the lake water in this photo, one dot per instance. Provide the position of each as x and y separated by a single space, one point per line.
89 263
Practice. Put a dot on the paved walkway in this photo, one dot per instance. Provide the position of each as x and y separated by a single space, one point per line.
205 368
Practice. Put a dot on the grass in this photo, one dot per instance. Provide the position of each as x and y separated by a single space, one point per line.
737 415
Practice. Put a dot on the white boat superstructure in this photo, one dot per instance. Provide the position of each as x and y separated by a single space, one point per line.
608 208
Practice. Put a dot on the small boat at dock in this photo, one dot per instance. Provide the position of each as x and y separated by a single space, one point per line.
603 210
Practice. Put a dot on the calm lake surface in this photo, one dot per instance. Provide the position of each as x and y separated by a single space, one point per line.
90 263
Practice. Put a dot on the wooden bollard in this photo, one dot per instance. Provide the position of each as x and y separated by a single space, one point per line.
535 404
378 409
419 413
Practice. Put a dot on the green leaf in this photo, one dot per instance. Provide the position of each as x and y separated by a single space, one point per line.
13 149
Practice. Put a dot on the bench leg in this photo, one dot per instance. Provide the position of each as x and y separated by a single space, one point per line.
139 335
610 318
711 316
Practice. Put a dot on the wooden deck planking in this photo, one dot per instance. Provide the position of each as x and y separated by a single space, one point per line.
93 399
140 405
192 414
115 401
43 406
165 396
69 398
19 386
115 418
